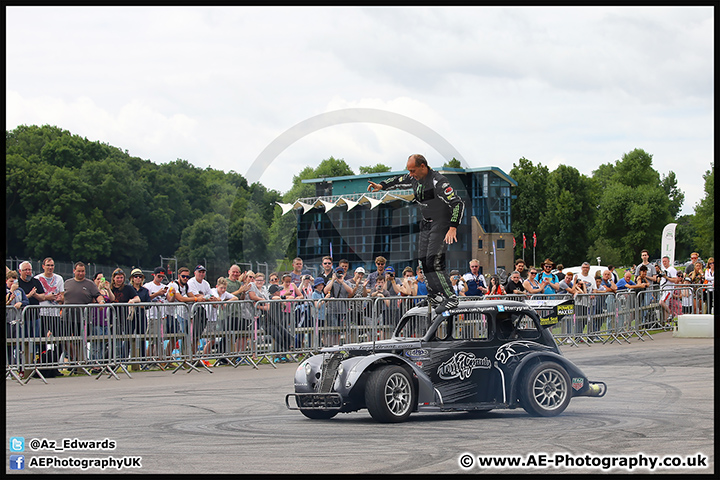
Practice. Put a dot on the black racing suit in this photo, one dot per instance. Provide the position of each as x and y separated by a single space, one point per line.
441 208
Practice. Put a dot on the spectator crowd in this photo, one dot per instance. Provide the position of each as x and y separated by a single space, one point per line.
49 289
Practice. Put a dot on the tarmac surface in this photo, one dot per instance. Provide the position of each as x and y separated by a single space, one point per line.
660 403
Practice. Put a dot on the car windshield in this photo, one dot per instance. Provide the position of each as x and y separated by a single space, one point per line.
412 326
465 326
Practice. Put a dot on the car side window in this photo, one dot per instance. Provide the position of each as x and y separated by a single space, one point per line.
470 326
526 324
415 327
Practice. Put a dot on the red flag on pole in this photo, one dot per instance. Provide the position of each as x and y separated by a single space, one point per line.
534 240
514 242
524 243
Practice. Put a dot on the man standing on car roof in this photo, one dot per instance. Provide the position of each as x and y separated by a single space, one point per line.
442 210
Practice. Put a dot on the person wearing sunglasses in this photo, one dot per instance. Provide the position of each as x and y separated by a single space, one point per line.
548 281
380 263
532 285
157 316
178 292
328 270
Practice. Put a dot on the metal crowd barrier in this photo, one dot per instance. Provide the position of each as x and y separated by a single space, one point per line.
114 338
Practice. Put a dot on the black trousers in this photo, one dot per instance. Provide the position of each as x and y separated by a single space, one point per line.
431 255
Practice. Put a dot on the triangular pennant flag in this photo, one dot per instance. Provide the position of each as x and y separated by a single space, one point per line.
328 205
374 202
350 204
286 207
305 206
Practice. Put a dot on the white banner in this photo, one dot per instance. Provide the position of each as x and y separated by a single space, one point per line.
667 246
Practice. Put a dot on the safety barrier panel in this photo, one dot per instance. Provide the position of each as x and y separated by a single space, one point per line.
704 298
112 338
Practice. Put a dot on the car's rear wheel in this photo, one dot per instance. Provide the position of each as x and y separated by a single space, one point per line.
545 390
319 414
389 394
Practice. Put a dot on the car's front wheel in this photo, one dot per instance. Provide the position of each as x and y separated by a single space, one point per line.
389 394
545 390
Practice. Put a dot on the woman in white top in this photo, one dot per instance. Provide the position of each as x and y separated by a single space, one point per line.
710 281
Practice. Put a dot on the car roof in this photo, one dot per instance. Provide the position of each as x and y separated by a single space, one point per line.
479 305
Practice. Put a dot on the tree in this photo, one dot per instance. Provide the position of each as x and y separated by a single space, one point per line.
454 163
206 240
79 200
531 197
332 167
634 206
704 219
571 199
378 168
674 194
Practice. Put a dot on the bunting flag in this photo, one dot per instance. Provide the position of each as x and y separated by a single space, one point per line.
514 242
534 240
305 206
286 207
328 205
524 242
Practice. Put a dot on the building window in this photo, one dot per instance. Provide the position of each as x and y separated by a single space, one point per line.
479 244
501 243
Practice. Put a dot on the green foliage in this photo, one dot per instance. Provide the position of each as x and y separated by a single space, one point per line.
379 168
333 168
79 200
205 241
569 214
685 235
74 200
608 254
454 163
634 205
614 214
704 219
529 205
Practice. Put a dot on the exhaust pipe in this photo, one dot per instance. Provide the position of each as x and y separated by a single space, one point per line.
596 389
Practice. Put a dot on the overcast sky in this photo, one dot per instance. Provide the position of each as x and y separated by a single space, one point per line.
217 86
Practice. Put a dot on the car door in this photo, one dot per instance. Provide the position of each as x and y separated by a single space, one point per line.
461 360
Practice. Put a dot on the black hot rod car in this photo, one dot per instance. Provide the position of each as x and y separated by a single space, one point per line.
482 355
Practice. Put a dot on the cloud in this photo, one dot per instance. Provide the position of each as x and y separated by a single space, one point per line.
217 85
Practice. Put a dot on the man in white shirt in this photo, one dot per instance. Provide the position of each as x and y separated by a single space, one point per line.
668 279
53 284
216 322
585 276
200 288
156 315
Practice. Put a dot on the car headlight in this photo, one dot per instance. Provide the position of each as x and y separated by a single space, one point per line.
308 369
340 369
